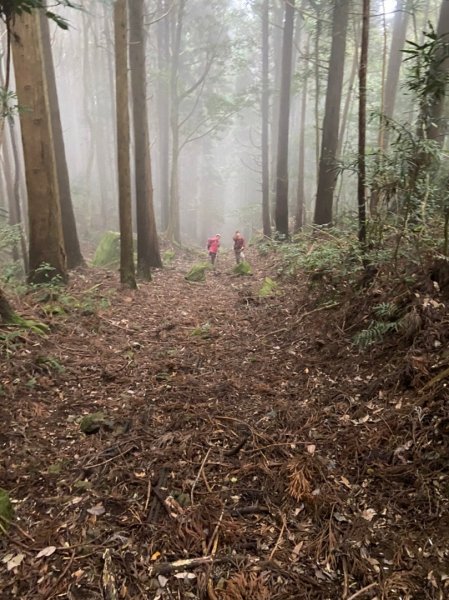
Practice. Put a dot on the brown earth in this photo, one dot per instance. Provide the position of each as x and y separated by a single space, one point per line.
248 450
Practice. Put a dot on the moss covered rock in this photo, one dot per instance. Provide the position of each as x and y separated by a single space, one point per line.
197 273
6 510
168 257
107 253
92 423
243 268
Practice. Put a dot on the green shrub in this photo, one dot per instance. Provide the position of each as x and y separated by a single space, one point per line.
197 273
242 268
269 288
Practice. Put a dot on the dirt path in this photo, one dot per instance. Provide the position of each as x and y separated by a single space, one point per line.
233 436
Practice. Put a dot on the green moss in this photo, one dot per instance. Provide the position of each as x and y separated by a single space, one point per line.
6 510
168 256
82 485
92 423
107 253
202 331
34 326
269 288
197 273
242 269
55 469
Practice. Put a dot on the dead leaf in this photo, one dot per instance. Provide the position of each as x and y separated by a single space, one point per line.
345 482
296 550
185 575
369 514
48 551
97 510
14 561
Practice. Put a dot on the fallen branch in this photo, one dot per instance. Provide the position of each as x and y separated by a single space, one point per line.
250 510
436 379
315 310
363 590
199 475
166 568
236 449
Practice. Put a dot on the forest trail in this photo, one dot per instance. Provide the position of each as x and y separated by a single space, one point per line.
241 435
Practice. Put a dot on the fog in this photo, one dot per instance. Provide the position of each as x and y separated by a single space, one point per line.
218 123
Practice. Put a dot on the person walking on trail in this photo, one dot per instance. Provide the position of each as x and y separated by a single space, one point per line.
239 246
213 243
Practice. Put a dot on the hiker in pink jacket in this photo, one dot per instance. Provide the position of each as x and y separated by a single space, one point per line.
213 243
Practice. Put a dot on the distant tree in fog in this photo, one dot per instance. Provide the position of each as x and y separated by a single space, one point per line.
201 100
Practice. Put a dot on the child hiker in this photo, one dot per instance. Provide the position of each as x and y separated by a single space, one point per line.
213 243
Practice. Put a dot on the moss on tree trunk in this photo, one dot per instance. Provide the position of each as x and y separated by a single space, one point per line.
7 315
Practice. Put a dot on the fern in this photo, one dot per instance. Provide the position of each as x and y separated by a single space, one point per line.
385 311
374 333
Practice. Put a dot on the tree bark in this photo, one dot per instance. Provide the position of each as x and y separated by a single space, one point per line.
127 271
277 15
17 193
394 66
327 177
6 312
300 193
437 128
361 186
174 228
46 244
163 103
148 254
281 212
265 110
71 241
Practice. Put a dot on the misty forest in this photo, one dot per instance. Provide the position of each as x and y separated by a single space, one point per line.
224 299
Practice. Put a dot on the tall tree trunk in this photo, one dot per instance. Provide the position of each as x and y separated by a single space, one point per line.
350 92
127 271
317 89
281 214
17 194
327 170
148 254
399 34
163 104
174 228
277 17
14 199
437 128
46 244
71 241
300 194
361 187
265 109
13 219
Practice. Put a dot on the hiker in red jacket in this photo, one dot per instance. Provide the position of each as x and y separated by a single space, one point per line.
213 243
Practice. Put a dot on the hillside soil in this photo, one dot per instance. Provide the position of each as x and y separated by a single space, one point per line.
238 447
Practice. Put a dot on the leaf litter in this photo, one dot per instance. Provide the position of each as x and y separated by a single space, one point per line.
270 458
